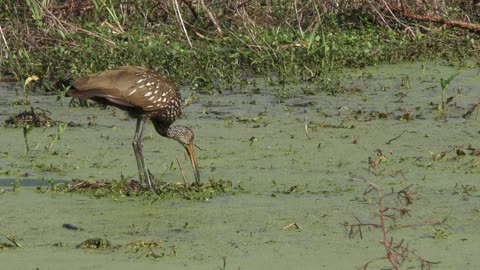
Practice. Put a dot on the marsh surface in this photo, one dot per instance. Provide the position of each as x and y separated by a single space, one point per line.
256 138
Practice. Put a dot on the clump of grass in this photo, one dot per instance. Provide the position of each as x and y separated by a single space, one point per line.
95 243
128 187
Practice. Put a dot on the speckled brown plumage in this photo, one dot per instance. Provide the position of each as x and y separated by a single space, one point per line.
145 95
138 90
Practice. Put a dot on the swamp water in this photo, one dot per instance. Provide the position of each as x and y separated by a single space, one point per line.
295 193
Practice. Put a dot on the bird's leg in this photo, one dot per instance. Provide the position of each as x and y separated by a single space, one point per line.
137 149
146 173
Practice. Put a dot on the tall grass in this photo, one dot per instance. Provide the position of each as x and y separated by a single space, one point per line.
37 10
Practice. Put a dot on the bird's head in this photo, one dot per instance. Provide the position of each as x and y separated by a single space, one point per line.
184 135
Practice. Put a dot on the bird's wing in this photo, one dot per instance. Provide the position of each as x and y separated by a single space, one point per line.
131 87
151 91
155 95
108 85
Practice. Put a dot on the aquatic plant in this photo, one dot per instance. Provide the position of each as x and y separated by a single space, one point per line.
442 107
26 132
16 185
25 100
439 233
396 252
60 130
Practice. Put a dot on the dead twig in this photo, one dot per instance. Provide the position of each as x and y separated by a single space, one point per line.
12 240
180 20
306 129
211 17
475 107
440 20
183 174
396 137
292 225
3 38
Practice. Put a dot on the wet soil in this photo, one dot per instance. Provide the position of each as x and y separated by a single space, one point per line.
295 157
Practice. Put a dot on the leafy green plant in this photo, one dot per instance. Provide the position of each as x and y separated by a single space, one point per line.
37 9
442 107
56 137
26 132
16 185
25 100
110 8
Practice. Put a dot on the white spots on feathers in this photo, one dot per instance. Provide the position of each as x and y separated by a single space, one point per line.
133 91
155 95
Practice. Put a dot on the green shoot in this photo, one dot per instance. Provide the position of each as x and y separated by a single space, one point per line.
442 107
26 131
60 130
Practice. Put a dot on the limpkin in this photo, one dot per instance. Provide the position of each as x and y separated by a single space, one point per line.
145 95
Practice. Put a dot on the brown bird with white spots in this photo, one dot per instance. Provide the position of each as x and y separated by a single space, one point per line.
145 95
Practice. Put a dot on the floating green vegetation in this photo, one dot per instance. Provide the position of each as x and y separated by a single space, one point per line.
35 117
95 243
130 188
146 247
439 233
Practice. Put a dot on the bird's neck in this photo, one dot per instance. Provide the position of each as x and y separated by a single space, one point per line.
161 127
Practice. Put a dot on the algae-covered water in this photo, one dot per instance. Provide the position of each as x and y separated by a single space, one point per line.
293 160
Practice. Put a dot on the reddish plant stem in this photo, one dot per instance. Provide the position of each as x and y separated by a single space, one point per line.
391 256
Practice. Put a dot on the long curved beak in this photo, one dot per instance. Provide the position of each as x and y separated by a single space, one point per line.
193 159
